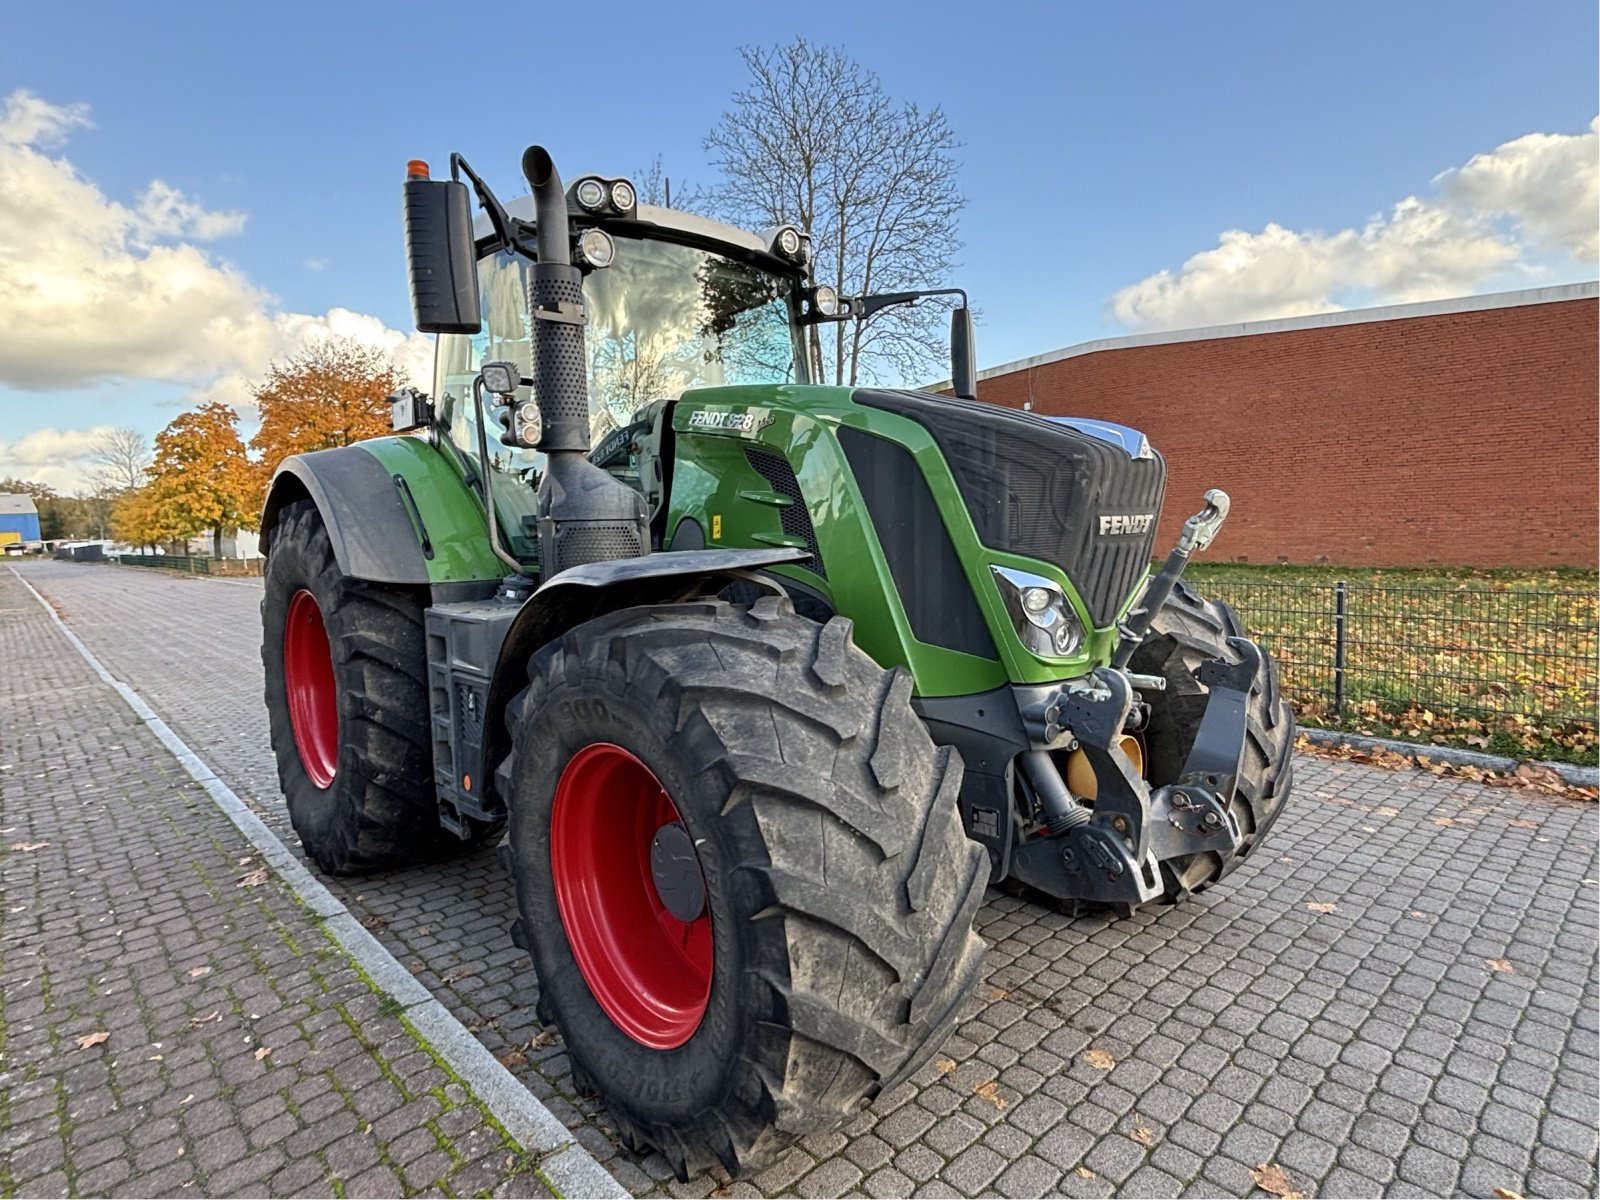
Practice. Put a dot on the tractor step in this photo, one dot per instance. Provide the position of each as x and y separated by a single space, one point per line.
463 644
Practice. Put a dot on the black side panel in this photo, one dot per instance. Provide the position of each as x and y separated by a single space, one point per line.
373 535
796 518
927 574
1039 488
987 731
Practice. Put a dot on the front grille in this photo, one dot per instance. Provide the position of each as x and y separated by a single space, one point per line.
1038 488
796 518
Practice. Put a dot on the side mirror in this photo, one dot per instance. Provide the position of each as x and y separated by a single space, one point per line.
440 255
963 355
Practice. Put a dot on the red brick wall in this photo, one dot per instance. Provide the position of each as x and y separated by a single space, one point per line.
1465 439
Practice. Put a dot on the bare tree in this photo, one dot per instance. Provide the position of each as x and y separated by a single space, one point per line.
120 459
814 139
653 185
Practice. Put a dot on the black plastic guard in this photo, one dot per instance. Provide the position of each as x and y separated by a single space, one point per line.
367 522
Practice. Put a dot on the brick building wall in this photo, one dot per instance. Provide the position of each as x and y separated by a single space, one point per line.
1395 437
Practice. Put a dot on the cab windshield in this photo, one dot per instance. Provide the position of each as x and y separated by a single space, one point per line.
662 319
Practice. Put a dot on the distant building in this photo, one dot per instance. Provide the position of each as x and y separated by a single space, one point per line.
1457 432
19 519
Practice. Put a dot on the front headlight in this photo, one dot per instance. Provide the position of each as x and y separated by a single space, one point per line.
1043 617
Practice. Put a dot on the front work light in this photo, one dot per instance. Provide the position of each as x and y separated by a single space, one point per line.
1040 612
596 249
591 194
623 198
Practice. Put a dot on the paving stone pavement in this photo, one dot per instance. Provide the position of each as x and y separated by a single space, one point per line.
1398 996
230 1046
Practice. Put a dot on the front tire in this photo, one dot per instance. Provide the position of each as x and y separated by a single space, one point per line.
740 872
346 689
1188 632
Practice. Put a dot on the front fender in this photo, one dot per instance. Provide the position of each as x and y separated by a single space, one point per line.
591 590
395 509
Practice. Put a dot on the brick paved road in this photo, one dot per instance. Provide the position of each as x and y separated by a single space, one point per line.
246 1054
1375 1047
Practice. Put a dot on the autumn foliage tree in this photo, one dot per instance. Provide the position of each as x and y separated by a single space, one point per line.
139 519
332 393
201 479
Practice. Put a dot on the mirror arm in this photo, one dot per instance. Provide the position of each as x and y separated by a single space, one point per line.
507 230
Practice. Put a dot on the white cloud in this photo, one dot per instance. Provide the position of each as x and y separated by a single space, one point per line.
93 289
1547 183
1536 193
58 457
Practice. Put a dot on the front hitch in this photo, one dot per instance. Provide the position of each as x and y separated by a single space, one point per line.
1109 850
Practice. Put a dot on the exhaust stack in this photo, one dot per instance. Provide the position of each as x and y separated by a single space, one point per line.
585 515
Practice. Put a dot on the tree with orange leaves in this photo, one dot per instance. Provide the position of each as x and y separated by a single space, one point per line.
202 477
332 393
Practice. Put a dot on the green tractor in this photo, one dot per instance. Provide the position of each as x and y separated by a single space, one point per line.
765 681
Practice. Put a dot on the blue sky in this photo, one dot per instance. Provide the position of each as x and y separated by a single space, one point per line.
1101 146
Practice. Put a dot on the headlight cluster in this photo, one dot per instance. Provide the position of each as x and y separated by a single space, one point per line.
1043 617
609 196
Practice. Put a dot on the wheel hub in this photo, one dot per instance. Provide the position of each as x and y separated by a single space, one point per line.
309 688
675 870
632 896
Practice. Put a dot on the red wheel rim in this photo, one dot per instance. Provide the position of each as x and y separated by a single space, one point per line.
649 970
308 680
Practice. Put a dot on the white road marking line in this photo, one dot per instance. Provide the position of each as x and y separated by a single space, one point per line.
567 1165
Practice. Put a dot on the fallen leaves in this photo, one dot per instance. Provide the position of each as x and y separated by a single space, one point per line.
28 847
512 1058
1501 965
1526 776
992 1094
945 1064
254 879
542 1039
199 972
262 1052
1270 1177
1143 1134
213 1015
1507 1194
1323 907
1099 1060
1083 1172
1521 824
90 1040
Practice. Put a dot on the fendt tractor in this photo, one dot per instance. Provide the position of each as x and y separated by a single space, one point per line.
765 681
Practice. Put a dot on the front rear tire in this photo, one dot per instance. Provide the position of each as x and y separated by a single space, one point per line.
346 690
740 872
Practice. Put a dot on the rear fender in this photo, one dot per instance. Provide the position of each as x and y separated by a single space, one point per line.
396 510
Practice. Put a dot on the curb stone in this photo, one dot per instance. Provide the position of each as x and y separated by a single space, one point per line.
568 1168
1570 773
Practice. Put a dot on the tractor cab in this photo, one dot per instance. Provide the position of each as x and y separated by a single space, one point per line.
673 301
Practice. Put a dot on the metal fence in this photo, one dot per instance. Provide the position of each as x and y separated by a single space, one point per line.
194 564
1486 654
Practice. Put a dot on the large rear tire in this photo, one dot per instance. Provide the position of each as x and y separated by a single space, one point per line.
740 872
346 689
1187 632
